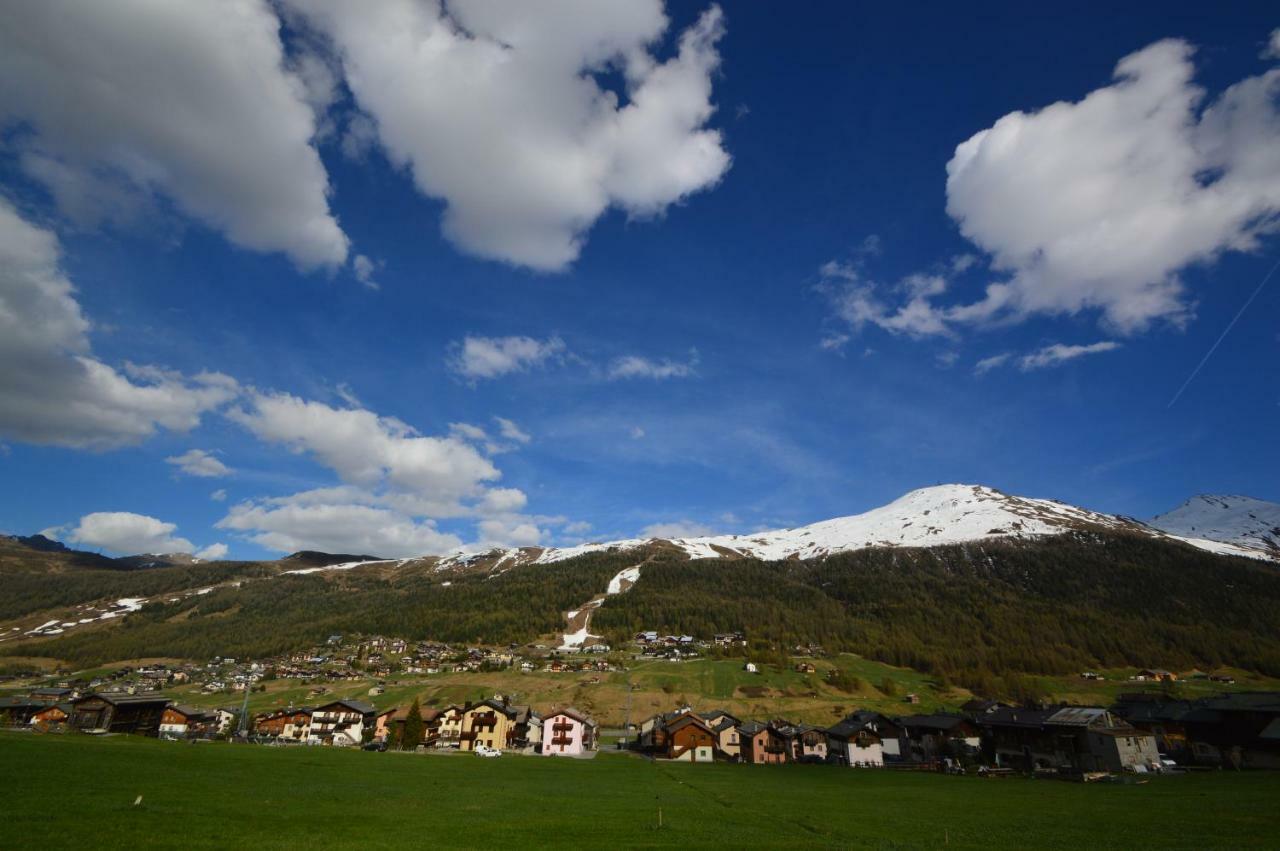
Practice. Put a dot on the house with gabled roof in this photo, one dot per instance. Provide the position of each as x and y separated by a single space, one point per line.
762 744
341 723
863 739
690 739
119 713
569 732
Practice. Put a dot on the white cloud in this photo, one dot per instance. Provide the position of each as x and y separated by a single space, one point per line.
1097 205
1059 353
508 429
368 450
309 521
496 109
578 527
635 366
364 269
220 495
677 529
198 462
507 532
1273 46
636 432
52 390
213 552
490 357
985 365
1101 203
111 103
126 533
502 501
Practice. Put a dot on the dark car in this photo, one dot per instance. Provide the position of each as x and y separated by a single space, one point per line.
375 746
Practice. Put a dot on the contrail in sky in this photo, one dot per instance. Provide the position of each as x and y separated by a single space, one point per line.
1222 337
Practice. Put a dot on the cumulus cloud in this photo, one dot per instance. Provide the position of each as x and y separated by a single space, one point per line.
502 501
397 483
220 495
109 103
1095 205
677 529
1059 353
1101 203
310 521
498 110
1273 46
507 532
52 389
491 357
213 552
635 366
369 450
125 533
198 462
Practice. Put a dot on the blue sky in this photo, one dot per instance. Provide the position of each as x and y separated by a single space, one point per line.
686 268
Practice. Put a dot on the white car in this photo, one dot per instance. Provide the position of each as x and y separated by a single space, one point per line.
485 750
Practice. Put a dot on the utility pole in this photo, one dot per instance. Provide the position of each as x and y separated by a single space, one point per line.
244 711
626 726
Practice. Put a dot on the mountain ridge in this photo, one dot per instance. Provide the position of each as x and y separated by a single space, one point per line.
926 517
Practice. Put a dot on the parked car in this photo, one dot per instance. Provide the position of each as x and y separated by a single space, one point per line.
375 746
485 750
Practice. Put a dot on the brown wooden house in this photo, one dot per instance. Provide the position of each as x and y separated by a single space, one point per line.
690 739
116 713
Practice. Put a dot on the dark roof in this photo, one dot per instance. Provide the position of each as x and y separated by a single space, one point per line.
716 713
685 720
358 705
751 728
936 721
21 702
726 724
123 699
1016 716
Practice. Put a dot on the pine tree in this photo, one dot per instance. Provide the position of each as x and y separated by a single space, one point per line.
411 734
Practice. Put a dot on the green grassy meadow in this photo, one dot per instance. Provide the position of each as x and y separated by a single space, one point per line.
75 790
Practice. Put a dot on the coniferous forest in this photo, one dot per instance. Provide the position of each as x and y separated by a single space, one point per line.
965 613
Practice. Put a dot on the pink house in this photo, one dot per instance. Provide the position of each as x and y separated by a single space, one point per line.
568 732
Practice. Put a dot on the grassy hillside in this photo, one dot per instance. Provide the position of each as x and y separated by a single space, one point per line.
704 684
981 615
219 796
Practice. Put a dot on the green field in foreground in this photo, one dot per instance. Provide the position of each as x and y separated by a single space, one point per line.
74 790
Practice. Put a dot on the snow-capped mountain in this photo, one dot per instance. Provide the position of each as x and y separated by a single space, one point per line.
929 517
1232 519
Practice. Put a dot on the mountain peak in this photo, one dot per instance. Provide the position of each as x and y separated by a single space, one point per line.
1229 518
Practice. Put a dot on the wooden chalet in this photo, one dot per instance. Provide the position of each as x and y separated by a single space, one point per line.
690 739
116 713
